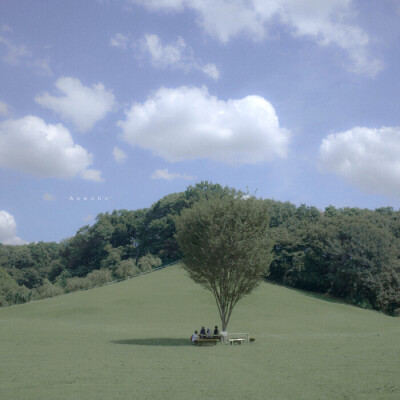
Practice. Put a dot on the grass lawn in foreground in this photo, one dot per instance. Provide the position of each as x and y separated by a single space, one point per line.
131 341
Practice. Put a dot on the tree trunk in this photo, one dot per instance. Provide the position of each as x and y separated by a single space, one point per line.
224 325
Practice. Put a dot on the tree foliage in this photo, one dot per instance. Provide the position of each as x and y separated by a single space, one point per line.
226 245
350 253
347 253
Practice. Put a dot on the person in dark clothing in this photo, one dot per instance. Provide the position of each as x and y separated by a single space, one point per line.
202 332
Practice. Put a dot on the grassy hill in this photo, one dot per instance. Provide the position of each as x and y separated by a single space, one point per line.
131 341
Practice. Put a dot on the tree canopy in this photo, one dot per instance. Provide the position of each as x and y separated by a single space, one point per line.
348 253
226 244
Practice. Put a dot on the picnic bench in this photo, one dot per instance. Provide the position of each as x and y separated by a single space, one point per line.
207 341
235 338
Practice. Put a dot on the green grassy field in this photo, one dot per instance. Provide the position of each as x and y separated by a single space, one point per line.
131 341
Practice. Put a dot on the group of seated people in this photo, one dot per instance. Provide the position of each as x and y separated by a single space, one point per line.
206 334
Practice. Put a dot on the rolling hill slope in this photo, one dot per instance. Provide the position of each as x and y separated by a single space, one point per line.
131 341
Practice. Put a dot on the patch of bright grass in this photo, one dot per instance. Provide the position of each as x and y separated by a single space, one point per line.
131 341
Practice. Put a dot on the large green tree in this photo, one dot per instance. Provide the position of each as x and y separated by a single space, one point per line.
226 244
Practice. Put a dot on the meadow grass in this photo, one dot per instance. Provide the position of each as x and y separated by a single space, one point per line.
131 341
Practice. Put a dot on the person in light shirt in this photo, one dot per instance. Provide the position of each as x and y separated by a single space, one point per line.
194 336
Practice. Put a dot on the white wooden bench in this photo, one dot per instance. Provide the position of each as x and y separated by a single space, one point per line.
235 338
236 341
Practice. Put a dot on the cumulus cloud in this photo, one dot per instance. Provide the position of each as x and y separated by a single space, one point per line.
328 22
8 229
188 123
364 157
169 176
81 105
119 155
176 55
43 150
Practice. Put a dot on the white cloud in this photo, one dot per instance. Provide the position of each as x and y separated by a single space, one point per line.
188 123
91 175
175 55
163 56
119 40
364 157
165 174
328 22
4 109
48 197
119 155
14 54
43 150
211 70
81 105
177 5
8 229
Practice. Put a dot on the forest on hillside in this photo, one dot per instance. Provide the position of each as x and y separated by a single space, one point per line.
348 253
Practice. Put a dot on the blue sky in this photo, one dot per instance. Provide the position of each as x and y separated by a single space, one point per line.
112 104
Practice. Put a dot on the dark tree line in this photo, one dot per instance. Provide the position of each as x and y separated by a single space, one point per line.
349 253
119 244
